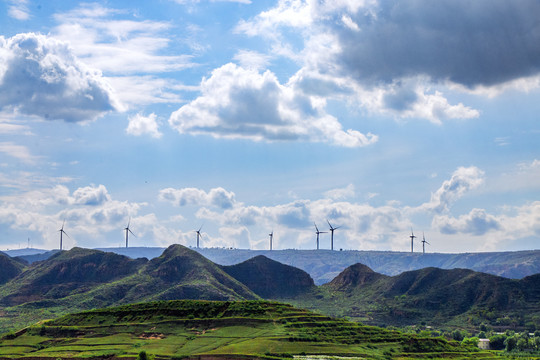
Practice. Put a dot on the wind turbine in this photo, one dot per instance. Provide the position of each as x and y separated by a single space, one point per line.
198 235
62 232
424 242
332 234
318 232
271 237
128 230
412 240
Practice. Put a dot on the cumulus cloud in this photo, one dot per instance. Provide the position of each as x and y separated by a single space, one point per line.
91 195
240 103
88 212
477 222
463 180
484 43
140 125
218 197
252 60
40 76
401 55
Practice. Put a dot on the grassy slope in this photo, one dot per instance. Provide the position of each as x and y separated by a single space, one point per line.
9 268
83 279
438 297
201 328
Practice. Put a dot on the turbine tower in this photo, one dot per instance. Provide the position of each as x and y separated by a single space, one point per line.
198 235
412 240
424 242
332 234
271 237
318 232
128 230
62 232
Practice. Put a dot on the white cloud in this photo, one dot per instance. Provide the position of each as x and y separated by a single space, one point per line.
88 212
17 151
477 222
463 180
91 195
41 76
18 9
393 56
241 103
252 60
129 51
218 197
140 125
342 193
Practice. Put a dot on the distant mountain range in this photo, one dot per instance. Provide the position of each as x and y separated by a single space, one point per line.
81 279
325 265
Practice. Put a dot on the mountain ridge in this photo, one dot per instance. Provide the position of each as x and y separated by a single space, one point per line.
325 265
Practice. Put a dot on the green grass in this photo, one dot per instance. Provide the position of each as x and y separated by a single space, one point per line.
172 329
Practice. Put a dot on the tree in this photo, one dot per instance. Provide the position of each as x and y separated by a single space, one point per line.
510 343
457 335
472 341
496 342
522 344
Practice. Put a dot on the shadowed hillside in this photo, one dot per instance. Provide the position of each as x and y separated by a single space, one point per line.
436 296
271 279
65 273
9 267
325 265
84 279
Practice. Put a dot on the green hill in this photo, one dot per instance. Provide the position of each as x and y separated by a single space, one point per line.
270 279
82 279
325 265
218 330
457 297
9 268
65 273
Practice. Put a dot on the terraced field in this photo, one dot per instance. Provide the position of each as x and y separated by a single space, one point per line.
218 329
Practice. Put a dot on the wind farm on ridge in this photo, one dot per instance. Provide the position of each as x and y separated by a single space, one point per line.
199 235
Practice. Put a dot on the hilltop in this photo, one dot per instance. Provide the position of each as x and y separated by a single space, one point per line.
10 267
271 279
325 265
82 279
458 297
213 330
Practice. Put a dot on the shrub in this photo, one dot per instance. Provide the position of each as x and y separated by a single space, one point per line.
142 355
496 342
510 343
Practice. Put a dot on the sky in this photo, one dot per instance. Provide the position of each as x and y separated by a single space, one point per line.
242 118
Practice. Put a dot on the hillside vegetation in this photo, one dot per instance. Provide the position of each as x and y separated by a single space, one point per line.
83 279
325 265
9 268
459 297
216 329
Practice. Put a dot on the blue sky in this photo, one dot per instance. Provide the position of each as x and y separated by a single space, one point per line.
248 117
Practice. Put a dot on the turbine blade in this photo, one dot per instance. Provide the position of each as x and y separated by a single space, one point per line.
132 232
65 233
